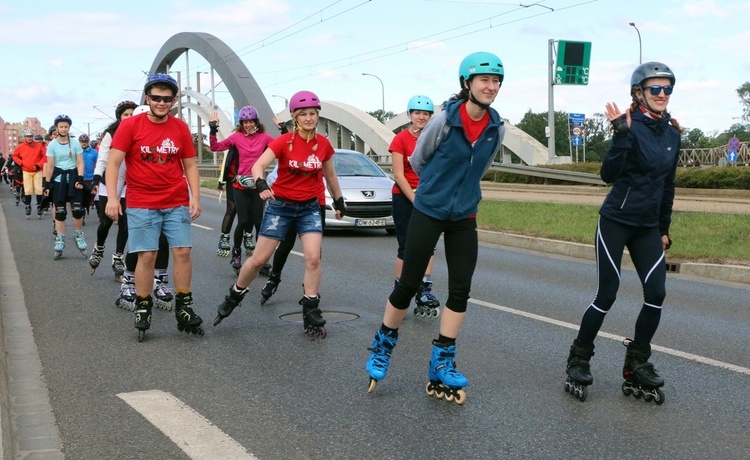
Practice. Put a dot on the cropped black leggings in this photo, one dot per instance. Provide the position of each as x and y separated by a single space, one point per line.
249 207
105 223
461 249
647 253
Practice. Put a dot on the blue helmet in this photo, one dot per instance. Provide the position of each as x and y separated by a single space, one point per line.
480 63
161 78
60 118
420 102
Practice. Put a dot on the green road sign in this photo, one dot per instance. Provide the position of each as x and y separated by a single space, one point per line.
572 66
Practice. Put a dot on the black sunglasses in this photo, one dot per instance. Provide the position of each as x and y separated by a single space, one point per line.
169 99
656 89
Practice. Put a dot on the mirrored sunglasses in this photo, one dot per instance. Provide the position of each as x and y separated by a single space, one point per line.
656 89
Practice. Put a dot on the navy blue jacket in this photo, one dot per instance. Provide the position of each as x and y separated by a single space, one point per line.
450 167
641 168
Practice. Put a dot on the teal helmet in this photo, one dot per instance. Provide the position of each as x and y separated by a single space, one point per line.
480 63
420 102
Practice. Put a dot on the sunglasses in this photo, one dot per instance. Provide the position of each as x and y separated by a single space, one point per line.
656 89
169 99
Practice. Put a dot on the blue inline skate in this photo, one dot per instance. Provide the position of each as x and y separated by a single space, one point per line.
445 381
380 356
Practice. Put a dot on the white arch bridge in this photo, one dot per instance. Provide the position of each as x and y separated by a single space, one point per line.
346 126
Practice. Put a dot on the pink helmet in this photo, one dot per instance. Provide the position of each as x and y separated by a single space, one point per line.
248 113
304 100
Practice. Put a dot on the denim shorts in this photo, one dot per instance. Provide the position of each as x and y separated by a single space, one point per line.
281 216
145 226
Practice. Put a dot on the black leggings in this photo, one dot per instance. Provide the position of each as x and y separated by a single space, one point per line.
226 223
249 206
647 253
287 244
461 249
105 223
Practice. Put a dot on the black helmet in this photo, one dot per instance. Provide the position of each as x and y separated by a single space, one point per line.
83 138
60 118
651 70
161 78
123 106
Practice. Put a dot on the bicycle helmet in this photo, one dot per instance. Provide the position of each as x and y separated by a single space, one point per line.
248 113
28 132
420 103
304 100
83 138
480 63
38 138
141 109
60 118
123 106
161 78
651 70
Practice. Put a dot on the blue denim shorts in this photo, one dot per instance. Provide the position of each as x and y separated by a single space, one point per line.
145 226
280 216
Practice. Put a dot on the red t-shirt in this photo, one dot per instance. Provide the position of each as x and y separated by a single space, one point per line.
300 174
153 154
473 128
404 143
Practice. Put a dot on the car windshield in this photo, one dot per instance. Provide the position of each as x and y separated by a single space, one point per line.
355 164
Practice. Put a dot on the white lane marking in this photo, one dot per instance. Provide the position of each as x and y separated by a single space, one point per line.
201 226
669 351
193 433
297 253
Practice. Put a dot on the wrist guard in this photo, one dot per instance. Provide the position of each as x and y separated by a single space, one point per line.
620 126
340 205
213 128
261 185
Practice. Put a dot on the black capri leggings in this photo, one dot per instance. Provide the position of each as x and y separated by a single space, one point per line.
249 207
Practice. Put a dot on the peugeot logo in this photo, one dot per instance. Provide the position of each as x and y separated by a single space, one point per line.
368 193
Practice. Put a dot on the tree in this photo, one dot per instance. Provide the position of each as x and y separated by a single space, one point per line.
744 93
382 117
695 139
597 136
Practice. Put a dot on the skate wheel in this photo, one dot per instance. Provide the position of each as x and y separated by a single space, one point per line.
460 397
218 319
263 300
626 390
323 333
430 389
141 335
436 313
449 396
92 271
373 384
582 394
659 397
439 393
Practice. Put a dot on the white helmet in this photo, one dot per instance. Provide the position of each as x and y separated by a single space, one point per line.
141 109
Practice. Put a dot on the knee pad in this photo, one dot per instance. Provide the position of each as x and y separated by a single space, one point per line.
61 213
77 210
401 296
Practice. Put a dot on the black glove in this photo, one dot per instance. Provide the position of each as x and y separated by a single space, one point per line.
620 126
97 180
340 205
213 127
282 127
79 180
261 185
220 187
44 183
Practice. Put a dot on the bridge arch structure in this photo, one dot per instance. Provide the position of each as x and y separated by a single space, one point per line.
345 125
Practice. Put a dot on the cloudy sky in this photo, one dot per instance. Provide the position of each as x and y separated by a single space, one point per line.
82 57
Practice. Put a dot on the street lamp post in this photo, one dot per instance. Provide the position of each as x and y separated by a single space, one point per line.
382 91
286 101
640 45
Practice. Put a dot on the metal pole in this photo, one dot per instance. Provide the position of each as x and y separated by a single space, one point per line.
286 101
382 91
640 45
551 103
200 122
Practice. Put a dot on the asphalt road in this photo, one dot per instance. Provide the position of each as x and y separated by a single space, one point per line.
282 395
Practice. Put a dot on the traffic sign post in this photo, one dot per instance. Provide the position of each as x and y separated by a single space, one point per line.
575 121
733 146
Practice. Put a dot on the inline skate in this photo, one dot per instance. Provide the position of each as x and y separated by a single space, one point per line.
80 241
39 212
96 257
641 379
126 301
231 301
118 266
28 211
162 294
380 356
579 370
247 241
445 381
187 320
265 270
312 319
224 247
274 279
427 304
236 260
59 245
143 317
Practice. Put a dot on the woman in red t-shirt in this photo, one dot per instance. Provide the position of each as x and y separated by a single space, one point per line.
304 158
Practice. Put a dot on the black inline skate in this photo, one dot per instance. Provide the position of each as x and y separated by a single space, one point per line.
96 257
187 320
39 212
247 241
274 279
641 379
426 304
232 301
312 319
579 370
224 247
118 266
28 211
143 316
236 260
265 270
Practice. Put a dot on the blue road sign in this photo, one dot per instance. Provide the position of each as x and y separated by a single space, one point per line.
577 140
577 118
732 156
733 145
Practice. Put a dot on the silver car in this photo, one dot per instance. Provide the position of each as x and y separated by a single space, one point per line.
367 191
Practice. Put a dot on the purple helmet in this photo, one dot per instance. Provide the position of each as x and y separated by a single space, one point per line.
248 113
304 100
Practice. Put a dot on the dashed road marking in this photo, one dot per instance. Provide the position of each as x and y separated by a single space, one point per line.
201 226
193 433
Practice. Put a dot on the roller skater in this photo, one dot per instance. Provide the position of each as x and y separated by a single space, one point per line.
312 319
236 261
427 304
187 320
636 214
579 370
80 241
232 301
143 317
118 266
96 257
641 379
445 381
126 301
274 279
224 247
380 356
247 241
29 156
162 295
59 245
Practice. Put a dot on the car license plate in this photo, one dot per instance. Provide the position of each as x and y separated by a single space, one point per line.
369 222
